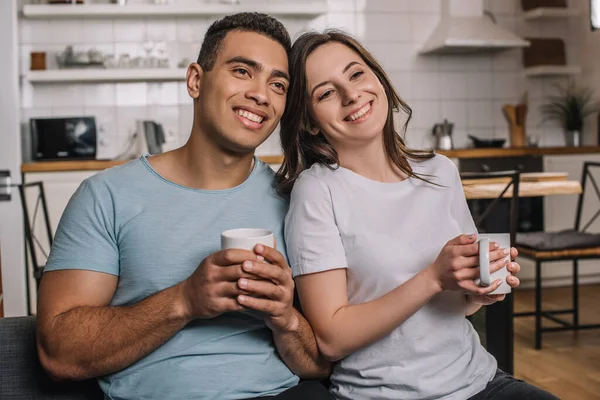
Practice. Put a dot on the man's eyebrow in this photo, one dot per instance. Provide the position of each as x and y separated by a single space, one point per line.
280 74
258 66
249 62
346 68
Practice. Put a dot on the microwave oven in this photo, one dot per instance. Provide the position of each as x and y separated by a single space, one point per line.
63 138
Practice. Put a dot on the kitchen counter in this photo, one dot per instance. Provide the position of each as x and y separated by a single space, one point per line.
518 151
97 165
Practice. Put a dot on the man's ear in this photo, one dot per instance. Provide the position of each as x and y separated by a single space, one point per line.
193 80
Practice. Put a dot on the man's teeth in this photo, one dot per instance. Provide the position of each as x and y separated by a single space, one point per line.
360 113
248 115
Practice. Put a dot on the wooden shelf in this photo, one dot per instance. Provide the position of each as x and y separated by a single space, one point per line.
552 70
300 9
550 12
98 165
107 75
518 151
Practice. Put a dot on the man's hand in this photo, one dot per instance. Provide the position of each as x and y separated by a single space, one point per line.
273 292
512 280
213 287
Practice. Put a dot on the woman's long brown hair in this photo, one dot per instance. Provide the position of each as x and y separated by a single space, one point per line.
302 149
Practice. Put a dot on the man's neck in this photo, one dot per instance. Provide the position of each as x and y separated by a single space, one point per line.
200 164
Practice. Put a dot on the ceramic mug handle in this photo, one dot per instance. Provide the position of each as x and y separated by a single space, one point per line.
484 262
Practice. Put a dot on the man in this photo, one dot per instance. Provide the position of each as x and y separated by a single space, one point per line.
136 291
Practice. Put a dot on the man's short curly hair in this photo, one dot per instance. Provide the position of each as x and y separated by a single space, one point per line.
248 22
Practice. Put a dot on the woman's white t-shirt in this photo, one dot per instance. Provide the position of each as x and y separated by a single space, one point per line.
384 234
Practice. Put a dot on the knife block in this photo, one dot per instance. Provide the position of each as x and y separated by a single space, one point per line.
515 115
517 136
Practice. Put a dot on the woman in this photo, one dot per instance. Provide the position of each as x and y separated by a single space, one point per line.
380 239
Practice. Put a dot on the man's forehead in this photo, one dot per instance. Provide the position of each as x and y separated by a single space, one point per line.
253 46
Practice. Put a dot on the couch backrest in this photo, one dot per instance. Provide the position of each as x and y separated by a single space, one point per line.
21 374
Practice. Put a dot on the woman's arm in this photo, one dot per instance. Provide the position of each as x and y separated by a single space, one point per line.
341 328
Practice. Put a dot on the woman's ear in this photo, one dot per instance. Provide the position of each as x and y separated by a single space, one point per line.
313 130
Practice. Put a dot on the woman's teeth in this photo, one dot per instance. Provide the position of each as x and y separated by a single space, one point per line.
248 115
360 113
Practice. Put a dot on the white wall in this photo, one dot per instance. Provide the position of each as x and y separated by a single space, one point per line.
468 90
11 231
591 70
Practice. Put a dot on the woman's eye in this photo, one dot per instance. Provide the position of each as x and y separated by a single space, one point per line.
356 74
325 94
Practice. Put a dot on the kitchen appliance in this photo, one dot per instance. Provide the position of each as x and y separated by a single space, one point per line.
464 27
63 138
443 135
483 143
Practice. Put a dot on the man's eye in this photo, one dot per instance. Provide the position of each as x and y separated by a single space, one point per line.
241 71
280 86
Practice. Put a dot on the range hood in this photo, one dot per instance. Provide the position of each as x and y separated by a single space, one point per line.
464 28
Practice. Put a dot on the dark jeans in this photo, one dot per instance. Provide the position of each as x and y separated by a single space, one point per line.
507 387
306 390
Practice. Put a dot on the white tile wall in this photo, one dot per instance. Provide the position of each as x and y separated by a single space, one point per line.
468 90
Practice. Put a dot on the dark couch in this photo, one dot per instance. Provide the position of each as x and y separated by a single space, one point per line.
22 376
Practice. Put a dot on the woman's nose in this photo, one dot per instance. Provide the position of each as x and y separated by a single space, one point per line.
350 95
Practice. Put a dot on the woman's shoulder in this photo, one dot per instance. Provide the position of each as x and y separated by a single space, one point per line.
439 167
314 179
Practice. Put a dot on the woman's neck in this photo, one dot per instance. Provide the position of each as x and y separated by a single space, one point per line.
371 161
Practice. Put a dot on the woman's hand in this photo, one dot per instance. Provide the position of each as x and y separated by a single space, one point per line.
457 265
513 282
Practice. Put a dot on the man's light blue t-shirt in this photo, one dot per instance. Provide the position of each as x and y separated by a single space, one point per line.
130 222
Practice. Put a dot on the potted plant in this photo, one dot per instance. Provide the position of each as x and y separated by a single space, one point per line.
569 108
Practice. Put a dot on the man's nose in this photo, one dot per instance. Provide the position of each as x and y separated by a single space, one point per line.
258 93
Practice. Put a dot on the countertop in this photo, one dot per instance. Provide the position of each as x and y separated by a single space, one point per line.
96 165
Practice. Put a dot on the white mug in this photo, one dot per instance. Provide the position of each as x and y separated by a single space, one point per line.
246 238
486 278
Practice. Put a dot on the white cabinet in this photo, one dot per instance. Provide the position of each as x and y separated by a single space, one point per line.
58 187
559 214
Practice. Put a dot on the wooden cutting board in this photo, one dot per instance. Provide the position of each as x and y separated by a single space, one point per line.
525 177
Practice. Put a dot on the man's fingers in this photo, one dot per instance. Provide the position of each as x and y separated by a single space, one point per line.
272 255
233 273
261 288
266 306
232 256
266 271
230 290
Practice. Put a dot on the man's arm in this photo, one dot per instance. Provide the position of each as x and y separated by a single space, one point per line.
80 336
273 295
